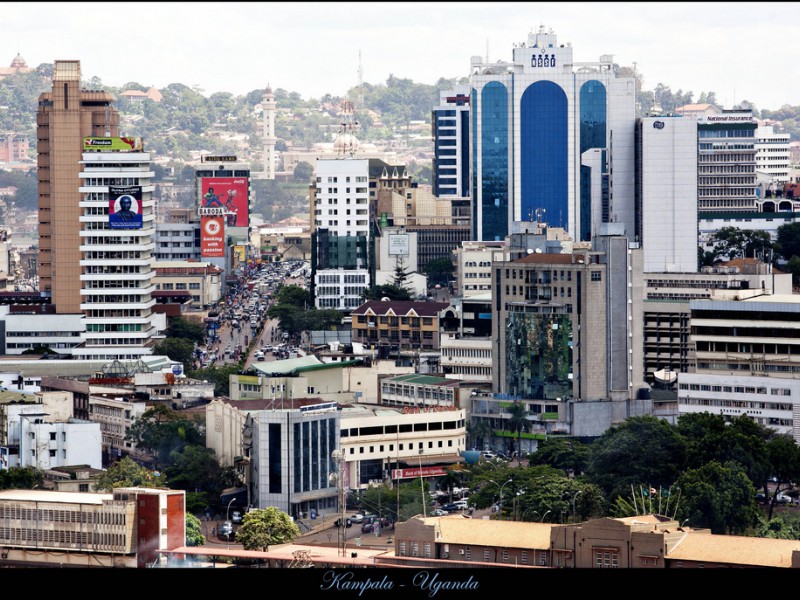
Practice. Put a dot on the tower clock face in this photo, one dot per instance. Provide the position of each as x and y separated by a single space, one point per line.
212 227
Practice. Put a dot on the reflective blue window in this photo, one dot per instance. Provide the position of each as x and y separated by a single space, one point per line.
592 135
544 153
494 161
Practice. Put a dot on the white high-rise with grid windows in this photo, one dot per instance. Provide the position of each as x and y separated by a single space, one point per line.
116 261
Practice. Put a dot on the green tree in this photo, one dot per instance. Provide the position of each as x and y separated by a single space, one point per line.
264 527
195 468
568 454
783 455
392 292
793 267
640 449
127 473
183 329
21 478
718 497
479 431
294 295
160 431
710 437
178 349
194 532
383 499
439 271
788 240
518 421
303 172
784 526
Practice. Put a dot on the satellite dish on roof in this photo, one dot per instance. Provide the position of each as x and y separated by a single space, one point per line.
385 299
530 251
538 251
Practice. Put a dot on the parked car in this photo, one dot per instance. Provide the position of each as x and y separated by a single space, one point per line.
488 455
783 498
357 518
236 516
438 512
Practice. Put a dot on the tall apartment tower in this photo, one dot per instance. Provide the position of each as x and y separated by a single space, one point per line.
450 122
65 116
551 137
269 106
117 230
342 246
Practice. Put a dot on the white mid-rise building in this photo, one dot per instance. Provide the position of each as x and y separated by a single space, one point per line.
341 229
772 154
117 245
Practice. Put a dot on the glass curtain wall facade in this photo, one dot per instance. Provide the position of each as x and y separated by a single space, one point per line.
592 135
492 218
545 154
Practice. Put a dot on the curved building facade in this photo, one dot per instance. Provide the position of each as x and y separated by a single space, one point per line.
545 133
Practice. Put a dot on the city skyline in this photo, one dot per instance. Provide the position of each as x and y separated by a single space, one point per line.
161 43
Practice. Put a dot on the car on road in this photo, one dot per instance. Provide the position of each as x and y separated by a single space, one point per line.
438 512
226 531
357 518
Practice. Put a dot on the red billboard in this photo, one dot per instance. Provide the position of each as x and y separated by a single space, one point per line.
230 194
212 237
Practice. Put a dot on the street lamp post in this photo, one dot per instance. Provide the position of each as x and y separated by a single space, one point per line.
337 477
228 511
509 480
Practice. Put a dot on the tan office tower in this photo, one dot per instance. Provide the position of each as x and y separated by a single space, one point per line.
65 116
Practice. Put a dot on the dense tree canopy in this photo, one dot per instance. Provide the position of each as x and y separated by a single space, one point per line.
160 431
640 450
127 473
717 497
265 527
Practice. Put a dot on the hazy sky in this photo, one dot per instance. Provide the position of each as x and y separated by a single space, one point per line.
741 51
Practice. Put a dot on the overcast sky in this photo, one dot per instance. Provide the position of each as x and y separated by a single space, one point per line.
741 51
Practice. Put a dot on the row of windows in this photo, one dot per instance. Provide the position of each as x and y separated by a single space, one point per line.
58 536
718 402
100 328
466 352
420 446
402 428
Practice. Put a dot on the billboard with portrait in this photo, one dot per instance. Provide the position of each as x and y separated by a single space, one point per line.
229 193
125 207
212 237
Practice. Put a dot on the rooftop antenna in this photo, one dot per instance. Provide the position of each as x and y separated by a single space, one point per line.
487 50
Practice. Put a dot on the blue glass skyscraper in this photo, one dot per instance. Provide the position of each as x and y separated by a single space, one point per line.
551 140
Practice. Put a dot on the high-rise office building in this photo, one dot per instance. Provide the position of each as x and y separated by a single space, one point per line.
552 141
117 228
65 116
450 122
726 162
666 193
